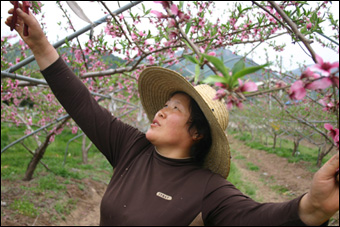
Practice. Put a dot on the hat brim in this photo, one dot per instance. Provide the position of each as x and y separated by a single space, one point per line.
157 84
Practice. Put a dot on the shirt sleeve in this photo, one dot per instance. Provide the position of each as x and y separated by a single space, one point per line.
108 134
225 205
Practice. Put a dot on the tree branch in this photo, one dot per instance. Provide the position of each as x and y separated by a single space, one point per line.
69 20
120 27
277 19
192 45
303 121
298 34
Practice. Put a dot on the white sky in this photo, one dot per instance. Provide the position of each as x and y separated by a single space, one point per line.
292 54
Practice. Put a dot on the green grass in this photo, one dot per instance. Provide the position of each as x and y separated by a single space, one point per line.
15 160
24 206
237 180
285 150
251 166
280 189
47 191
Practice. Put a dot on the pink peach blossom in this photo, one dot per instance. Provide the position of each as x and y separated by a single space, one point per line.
297 90
158 14
309 26
323 67
220 94
319 84
246 87
333 132
174 10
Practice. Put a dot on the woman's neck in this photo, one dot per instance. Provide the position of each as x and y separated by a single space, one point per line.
173 153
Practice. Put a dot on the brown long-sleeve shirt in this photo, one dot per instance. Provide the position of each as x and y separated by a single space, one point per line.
149 189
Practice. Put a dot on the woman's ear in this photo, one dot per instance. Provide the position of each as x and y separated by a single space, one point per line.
197 137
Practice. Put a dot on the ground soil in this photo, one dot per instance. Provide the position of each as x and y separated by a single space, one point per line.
274 174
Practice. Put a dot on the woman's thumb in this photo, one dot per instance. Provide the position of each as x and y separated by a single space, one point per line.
332 165
20 12
23 15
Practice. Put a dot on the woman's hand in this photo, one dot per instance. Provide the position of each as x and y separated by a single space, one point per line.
322 201
44 52
36 35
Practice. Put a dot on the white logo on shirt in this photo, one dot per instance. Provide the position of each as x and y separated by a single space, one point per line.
163 196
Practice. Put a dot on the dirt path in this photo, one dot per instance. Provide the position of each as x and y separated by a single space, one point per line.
87 212
274 172
272 169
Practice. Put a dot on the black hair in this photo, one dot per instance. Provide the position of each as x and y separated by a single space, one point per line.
198 123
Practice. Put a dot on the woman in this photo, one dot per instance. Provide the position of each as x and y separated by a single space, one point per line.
175 173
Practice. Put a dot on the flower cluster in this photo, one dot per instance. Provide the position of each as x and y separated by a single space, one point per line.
316 77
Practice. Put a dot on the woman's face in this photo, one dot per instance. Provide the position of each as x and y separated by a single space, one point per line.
170 126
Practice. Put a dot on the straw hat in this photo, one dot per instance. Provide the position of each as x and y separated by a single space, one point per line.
156 84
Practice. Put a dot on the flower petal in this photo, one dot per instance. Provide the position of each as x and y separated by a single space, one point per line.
335 65
157 13
319 59
297 90
328 126
249 86
309 74
174 9
319 84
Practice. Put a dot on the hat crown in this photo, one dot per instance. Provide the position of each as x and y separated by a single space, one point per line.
217 107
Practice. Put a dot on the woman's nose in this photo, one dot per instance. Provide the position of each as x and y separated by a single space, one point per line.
161 113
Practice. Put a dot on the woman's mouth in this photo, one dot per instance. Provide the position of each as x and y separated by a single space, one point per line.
155 123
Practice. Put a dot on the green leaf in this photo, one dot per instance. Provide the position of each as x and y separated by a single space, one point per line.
260 19
188 45
67 42
214 32
245 9
239 8
298 11
143 8
187 28
238 66
181 3
191 58
213 79
247 71
197 73
314 17
304 30
218 64
208 47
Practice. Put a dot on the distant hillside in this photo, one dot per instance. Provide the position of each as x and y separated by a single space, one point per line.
15 53
186 67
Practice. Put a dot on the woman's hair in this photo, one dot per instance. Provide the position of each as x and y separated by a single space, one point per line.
198 122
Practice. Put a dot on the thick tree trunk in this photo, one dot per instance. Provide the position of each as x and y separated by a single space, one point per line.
39 153
275 137
296 146
323 152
